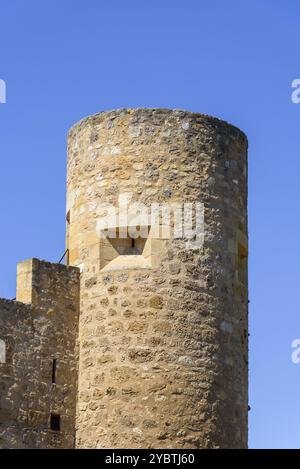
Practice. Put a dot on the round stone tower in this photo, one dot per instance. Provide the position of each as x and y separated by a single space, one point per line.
163 333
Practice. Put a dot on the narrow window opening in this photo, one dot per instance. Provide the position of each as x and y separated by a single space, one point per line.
128 246
54 363
68 217
242 264
121 250
2 351
55 422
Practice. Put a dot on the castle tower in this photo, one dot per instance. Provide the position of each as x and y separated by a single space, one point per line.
163 320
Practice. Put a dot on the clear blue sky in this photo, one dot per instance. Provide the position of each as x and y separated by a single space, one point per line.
63 60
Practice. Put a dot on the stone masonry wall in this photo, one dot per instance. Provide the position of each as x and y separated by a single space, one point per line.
34 335
163 346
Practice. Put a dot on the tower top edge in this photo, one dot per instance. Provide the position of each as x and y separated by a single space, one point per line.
150 112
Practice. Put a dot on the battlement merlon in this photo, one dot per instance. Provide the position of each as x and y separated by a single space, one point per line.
41 283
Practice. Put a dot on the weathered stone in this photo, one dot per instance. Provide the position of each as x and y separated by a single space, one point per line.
35 334
172 319
162 334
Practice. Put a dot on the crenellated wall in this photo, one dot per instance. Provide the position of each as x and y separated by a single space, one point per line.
35 334
147 347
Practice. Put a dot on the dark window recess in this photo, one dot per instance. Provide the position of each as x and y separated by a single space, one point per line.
54 362
55 422
242 264
128 246
68 217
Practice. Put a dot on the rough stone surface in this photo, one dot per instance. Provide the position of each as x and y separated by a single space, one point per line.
163 347
151 339
34 335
